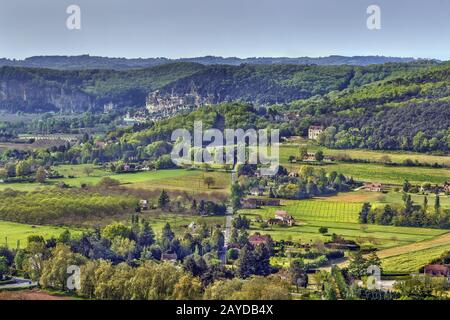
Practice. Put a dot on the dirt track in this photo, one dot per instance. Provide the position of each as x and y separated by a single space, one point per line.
29 295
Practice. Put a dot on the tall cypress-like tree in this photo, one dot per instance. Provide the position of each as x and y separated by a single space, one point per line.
167 236
246 262
217 239
262 261
146 235
163 200
364 212
437 203
408 204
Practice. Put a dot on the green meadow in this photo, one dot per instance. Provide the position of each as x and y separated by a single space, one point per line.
412 261
373 155
376 172
340 218
13 234
172 179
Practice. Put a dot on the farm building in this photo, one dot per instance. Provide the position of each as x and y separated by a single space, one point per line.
314 132
437 270
143 204
249 203
274 222
285 218
100 144
192 226
257 191
253 203
446 187
169 256
269 202
373 186
257 239
310 156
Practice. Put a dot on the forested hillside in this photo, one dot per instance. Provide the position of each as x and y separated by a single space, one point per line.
272 84
40 90
408 110
389 106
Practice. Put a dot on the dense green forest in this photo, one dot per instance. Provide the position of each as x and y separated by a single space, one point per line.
394 106
55 205
407 110
41 90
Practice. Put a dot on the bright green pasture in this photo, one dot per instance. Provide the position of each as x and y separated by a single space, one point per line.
373 155
179 222
385 174
11 233
177 179
396 197
377 172
412 261
340 218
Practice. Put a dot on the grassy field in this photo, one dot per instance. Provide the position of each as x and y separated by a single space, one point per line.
391 197
179 222
373 155
439 241
11 233
377 172
384 174
340 218
412 261
396 197
173 179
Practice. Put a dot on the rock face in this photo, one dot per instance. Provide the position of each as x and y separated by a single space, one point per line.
31 96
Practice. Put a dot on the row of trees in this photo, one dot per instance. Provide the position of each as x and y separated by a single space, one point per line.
127 262
54 205
410 214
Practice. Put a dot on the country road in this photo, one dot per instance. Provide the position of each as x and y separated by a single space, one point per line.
228 224
19 283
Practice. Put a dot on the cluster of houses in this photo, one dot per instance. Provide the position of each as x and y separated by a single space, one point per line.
70 138
131 167
311 157
161 106
137 117
379 187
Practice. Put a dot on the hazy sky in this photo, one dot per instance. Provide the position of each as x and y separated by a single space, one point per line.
243 28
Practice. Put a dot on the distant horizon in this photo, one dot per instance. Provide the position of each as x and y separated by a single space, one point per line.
251 28
221 56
